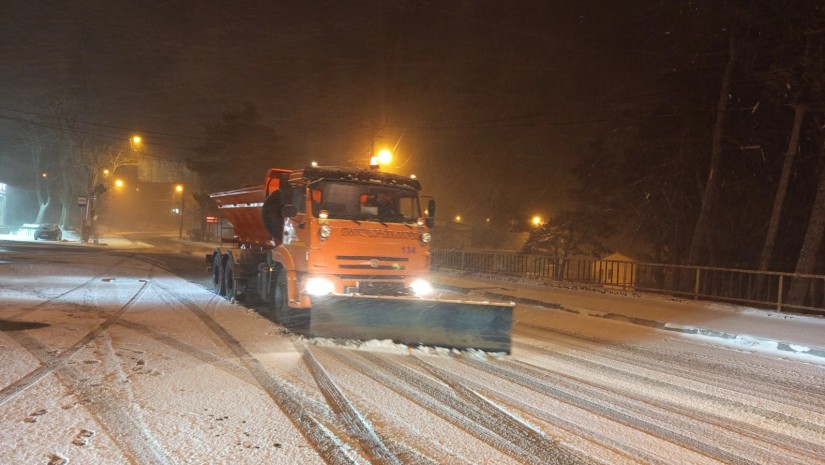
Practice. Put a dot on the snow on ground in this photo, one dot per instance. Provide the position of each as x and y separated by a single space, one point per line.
108 359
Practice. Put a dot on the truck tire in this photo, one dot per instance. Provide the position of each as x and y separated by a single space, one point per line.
217 275
230 284
280 299
271 216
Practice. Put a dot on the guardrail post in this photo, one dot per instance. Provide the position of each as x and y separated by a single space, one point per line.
696 284
779 293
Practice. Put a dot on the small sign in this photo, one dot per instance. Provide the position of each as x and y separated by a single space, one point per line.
82 200
211 219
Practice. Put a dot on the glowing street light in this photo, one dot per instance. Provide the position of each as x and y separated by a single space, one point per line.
458 218
135 142
106 172
179 190
119 183
536 221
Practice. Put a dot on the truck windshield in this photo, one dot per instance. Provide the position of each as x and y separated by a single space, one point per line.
361 201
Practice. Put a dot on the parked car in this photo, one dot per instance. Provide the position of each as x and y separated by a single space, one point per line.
48 231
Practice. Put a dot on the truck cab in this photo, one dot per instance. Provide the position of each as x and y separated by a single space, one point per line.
352 231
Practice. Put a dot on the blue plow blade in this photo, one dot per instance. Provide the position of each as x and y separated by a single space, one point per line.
413 321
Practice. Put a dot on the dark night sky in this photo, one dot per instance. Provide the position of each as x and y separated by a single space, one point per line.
486 93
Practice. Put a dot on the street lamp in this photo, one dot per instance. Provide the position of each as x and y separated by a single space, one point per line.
179 190
119 183
135 142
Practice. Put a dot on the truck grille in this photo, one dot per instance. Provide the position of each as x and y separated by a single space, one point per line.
365 262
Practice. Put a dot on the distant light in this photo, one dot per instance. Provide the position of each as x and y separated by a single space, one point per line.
118 183
384 156
179 188
536 220
412 176
457 218
136 139
44 174
488 220
106 172
315 163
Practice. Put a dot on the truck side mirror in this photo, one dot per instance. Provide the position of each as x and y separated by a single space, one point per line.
430 219
288 211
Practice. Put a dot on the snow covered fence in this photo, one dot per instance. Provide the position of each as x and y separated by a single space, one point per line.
780 291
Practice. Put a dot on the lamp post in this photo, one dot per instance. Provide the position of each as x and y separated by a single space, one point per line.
135 142
179 189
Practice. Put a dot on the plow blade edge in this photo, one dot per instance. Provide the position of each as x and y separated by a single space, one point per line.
412 321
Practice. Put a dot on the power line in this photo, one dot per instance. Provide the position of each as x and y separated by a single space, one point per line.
156 133
95 134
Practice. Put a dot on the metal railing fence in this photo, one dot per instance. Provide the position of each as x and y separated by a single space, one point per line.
762 289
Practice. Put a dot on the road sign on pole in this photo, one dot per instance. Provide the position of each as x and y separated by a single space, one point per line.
82 200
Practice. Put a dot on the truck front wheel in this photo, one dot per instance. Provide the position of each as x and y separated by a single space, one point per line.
280 299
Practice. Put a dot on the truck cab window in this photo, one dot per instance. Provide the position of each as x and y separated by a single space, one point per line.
363 201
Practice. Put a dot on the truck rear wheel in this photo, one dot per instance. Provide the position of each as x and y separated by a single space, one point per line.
230 285
280 299
217 275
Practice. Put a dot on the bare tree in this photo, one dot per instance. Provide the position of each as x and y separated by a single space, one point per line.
812 243
782 188
87 162
700 232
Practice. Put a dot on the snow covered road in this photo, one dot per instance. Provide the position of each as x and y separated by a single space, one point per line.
108 358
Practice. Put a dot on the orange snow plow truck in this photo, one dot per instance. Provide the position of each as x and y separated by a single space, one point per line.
350 248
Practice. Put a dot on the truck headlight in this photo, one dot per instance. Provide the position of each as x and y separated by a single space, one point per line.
319 286
421 287
426 237
325 231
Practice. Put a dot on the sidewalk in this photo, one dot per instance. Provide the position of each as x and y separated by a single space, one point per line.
73 238
787 332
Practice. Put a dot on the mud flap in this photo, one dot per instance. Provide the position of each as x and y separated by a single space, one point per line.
412 321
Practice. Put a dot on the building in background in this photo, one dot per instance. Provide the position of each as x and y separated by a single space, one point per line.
3 228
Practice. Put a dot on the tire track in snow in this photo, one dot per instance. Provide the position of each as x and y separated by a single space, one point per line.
45 302
489 423
607 366
560 421
642 414
709 372
720 378
329 447
53 362
738 435
525 435
132 437
357 426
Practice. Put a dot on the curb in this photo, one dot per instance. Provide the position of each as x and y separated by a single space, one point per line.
780 345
